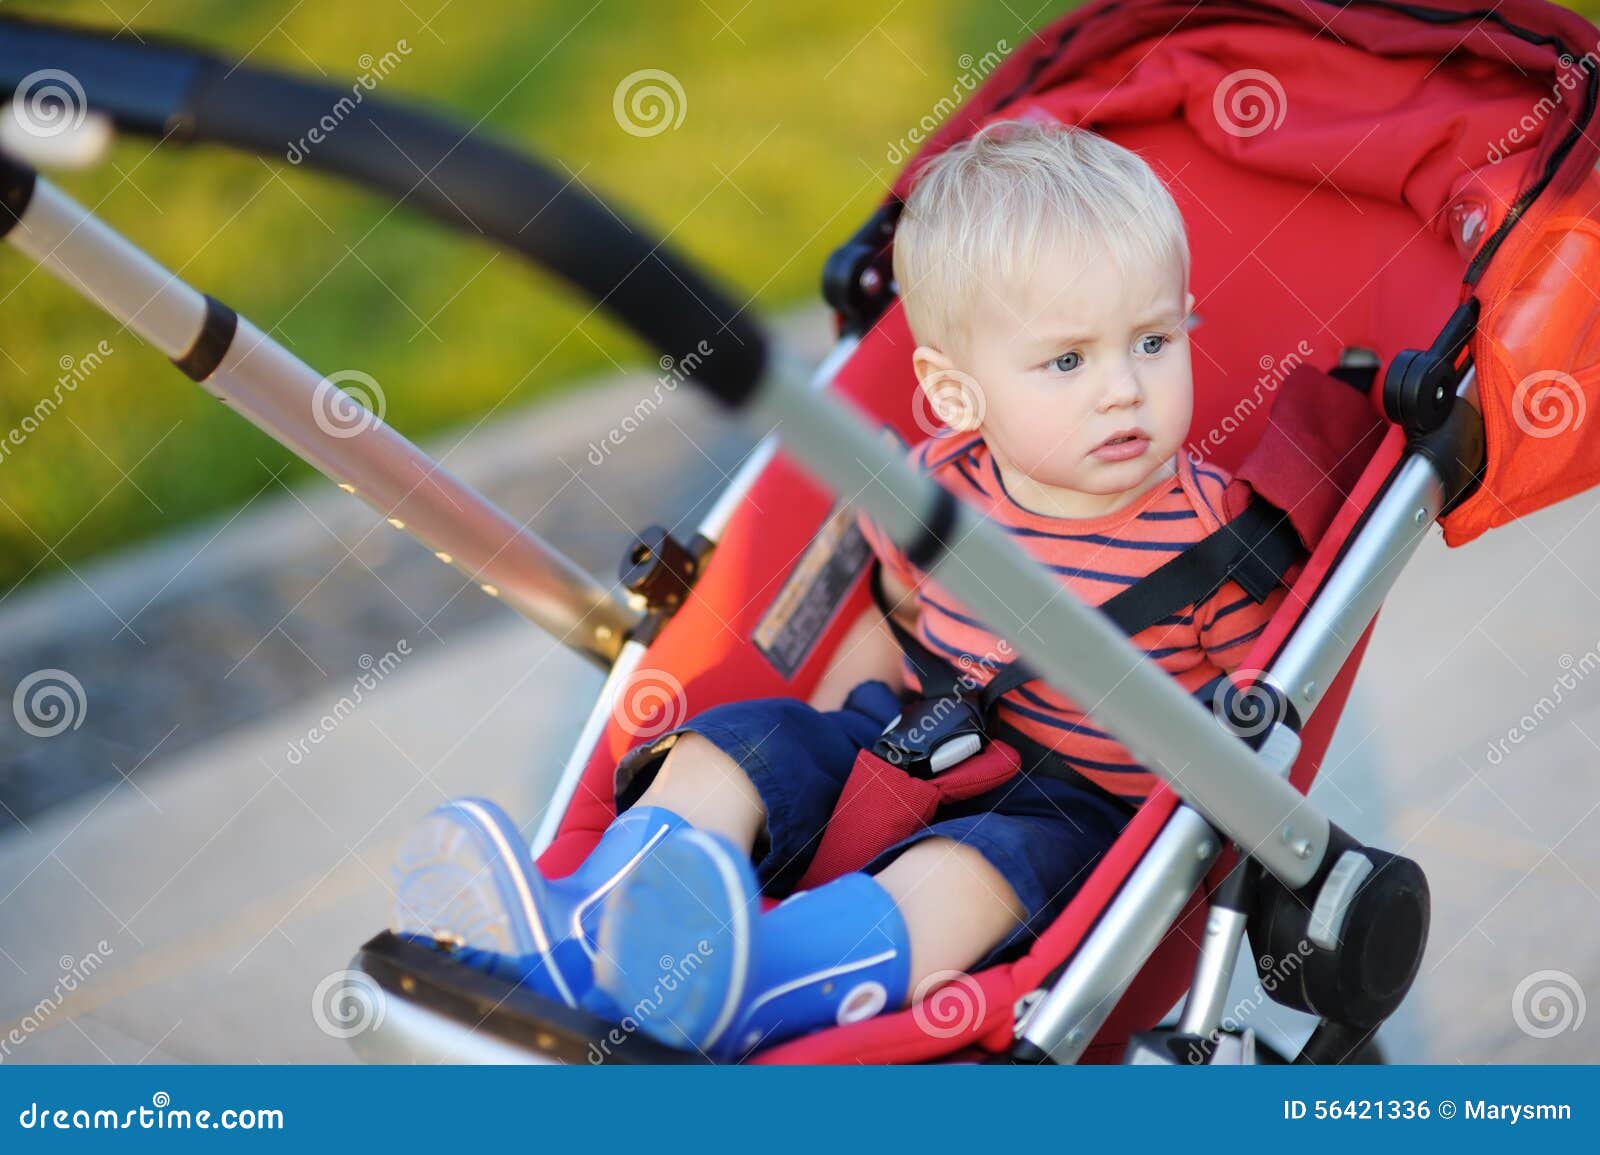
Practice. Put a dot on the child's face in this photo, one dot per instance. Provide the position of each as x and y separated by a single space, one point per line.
1081 355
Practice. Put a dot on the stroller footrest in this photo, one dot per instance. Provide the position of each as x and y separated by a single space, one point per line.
456 996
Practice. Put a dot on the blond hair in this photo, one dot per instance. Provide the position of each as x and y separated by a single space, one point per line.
983 211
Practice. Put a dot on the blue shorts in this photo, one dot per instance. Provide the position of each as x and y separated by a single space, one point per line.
1042 834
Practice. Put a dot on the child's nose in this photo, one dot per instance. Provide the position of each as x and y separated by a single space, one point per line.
1123 392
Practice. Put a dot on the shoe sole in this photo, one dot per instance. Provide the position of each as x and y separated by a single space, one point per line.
460 880
691 890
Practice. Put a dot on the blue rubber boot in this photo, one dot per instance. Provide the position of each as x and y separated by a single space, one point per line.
465 879
687 955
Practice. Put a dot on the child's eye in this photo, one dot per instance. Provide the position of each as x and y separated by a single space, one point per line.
1152 344
1067 362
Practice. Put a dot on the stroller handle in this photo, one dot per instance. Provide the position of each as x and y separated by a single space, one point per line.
456 175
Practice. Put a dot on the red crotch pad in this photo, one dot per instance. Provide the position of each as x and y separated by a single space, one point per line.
882 804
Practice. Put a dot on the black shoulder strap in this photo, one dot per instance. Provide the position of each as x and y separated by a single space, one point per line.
1255 549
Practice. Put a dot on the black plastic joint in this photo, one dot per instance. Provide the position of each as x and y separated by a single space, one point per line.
857 278
211 344
1419 390
17 183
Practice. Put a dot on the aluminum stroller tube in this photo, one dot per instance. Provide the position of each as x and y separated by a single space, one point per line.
1065 1021
1074 647
310 415
1354 591
91 258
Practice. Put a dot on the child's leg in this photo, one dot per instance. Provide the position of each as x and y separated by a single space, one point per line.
709 790
957 907
688 957
695 964
465 876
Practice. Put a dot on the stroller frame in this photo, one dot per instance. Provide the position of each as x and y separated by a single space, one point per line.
1233 787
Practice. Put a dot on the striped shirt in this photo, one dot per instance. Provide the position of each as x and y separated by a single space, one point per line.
1096 558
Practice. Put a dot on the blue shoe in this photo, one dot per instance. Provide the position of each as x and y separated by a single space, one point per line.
686 953
465 879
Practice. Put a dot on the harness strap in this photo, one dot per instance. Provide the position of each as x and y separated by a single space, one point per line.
1255 549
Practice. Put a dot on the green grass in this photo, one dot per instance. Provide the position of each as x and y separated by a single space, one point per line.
797 104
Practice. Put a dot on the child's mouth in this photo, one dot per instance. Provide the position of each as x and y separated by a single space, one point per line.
1122 446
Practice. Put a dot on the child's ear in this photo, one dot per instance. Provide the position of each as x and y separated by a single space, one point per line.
953 395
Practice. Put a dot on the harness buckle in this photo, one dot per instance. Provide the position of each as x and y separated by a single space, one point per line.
932 734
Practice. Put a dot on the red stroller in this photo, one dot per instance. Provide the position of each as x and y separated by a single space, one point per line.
1401 193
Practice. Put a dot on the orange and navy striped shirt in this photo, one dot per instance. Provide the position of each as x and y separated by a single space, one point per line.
1096 558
